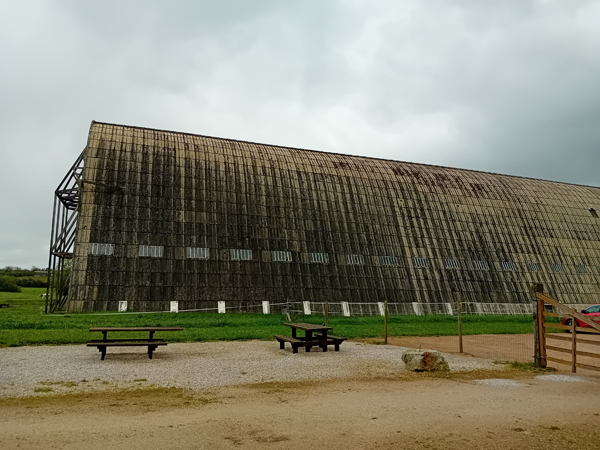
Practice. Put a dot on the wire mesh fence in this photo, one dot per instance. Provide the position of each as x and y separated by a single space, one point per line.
502 332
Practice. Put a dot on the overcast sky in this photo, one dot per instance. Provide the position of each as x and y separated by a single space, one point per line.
501 86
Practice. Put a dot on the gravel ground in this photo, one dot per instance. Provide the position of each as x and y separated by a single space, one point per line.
26 371
562 378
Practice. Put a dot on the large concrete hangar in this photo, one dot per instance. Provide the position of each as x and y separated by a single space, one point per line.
157 220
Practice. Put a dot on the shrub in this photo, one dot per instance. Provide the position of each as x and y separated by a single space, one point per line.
9 284
13 271
32 282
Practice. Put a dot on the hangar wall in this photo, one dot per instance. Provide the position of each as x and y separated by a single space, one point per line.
168 216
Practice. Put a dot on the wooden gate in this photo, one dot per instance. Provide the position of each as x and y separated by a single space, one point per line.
571 344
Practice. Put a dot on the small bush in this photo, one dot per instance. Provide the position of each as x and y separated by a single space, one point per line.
43 389
9 284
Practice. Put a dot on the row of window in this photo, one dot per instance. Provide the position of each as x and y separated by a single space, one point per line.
505 265
236 254
157 251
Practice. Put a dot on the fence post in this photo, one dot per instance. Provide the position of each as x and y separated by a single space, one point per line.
460 330
385 323
326 313
538 328
574 346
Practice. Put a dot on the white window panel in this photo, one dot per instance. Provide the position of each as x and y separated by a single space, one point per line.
280 256
388 260
198 253
481 265
101 249
152 251
508 265
420 262
355 260
240 254
451 264
534 267
322 258
557 267
580 268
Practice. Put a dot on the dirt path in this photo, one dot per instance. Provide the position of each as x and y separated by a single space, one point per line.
499 347
502 347
410 411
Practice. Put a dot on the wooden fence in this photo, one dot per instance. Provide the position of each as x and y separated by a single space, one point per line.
547 307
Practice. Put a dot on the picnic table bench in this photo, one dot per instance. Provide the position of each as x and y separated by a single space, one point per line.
320 338
151 342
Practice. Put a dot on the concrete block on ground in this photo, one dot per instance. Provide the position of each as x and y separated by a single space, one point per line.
345 309
418 308
306 306
425 361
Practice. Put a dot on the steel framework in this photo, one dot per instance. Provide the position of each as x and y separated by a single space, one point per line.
63 236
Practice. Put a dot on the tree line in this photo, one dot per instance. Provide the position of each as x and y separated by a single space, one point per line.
13 278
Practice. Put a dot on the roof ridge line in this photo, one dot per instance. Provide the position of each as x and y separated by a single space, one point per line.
342 154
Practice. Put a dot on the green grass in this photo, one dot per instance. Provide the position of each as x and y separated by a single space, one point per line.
43 389
530 367
24 323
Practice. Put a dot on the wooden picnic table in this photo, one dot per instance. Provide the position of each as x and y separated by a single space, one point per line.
151 342
314 336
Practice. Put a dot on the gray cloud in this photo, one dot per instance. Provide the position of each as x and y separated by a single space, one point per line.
505 87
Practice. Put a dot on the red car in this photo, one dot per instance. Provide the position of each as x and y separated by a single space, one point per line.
593 311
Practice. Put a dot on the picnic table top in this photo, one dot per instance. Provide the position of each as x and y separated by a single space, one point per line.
137 329
308 326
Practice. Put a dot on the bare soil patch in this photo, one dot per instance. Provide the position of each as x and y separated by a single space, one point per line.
359 397
411 411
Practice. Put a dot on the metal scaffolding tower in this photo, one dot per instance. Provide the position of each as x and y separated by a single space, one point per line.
62 239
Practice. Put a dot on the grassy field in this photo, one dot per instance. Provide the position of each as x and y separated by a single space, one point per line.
24 323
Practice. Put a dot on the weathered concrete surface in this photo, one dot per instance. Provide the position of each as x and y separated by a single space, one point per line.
286 225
